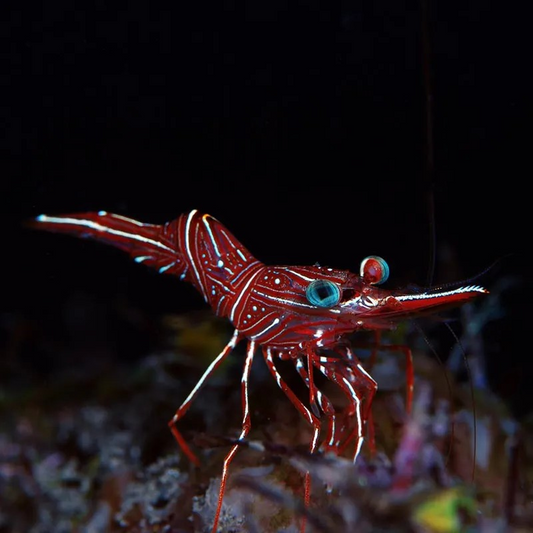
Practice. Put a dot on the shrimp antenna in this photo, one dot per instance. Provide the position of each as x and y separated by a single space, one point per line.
472 279
448 384
472 397
429 164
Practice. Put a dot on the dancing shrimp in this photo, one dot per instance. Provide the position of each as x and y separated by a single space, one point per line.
301 314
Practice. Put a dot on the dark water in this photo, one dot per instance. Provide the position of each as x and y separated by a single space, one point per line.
299 127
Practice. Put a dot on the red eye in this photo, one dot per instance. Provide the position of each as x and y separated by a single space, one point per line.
374 270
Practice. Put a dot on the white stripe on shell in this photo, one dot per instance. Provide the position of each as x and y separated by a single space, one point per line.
297 274
293 302
211 236
235 280
120 217
243 292
189 252
270 326
99 227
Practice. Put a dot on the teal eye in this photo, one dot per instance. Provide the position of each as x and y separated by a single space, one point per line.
374 270
323 293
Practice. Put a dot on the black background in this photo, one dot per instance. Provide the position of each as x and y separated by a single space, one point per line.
299 125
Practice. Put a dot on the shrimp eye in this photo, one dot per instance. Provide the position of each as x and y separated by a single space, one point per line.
323 293
374 270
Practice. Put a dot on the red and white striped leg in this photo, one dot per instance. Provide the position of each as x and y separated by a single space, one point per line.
246 425
184 407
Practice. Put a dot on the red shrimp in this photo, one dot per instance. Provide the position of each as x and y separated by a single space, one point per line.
301 314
